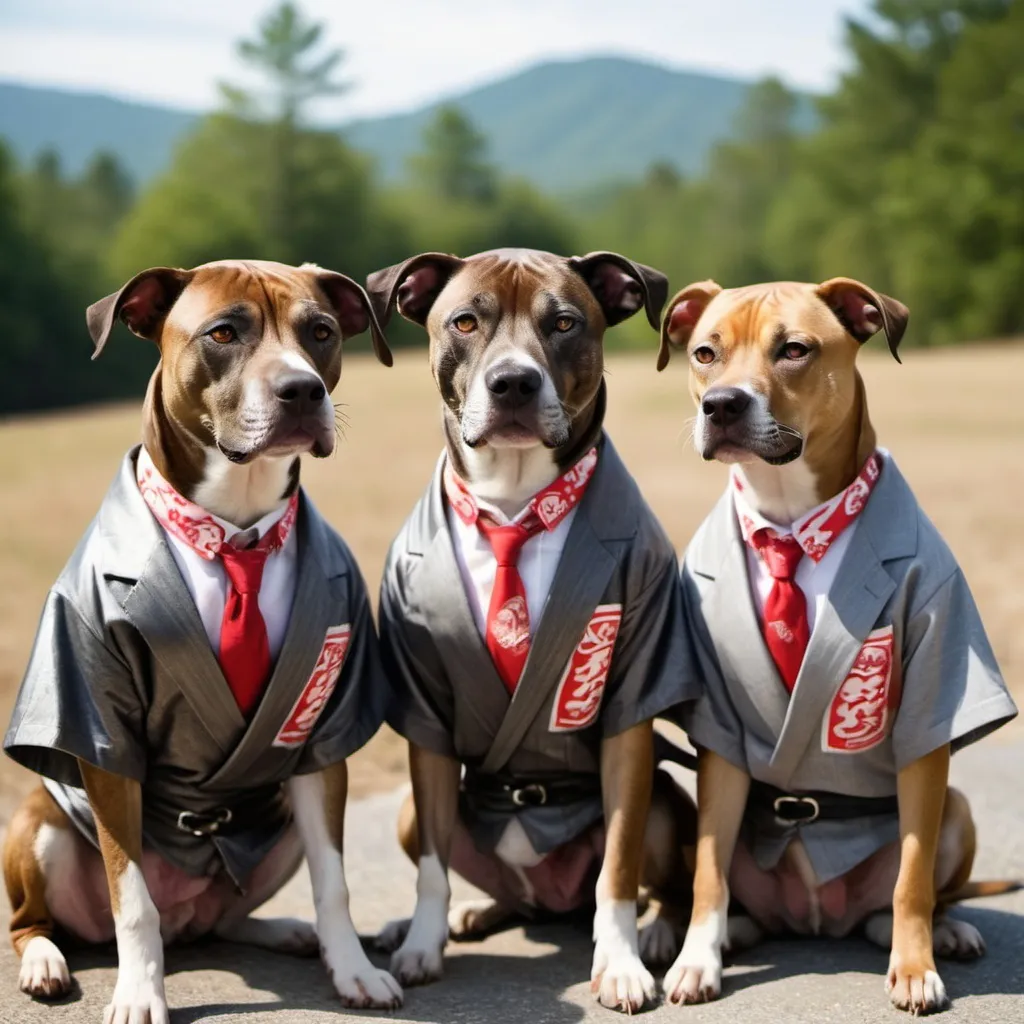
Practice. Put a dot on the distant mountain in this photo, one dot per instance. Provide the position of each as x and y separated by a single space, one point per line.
563 125
76 125
578 123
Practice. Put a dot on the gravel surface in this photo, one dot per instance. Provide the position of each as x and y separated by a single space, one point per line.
539 974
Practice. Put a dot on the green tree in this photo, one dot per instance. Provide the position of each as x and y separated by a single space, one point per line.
453 163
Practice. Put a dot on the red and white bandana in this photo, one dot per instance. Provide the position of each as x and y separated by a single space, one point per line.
550 505
191 523
815 531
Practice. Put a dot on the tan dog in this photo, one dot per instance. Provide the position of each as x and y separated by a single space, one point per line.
823 808
555 811
200 811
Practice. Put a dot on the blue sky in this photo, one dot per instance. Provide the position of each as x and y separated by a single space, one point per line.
402 53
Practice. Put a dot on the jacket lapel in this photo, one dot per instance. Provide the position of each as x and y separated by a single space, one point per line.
736 633
320 602
606 513
860 591
157 602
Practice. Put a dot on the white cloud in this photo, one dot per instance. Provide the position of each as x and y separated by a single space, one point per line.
402 53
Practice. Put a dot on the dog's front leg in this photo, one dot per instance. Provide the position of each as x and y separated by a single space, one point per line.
318 802
618 977
116 804
435 790
722 791
912 982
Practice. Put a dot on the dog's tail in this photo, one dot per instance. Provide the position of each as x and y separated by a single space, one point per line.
977 890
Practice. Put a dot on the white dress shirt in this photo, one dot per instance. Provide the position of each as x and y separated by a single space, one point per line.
537 563
207 581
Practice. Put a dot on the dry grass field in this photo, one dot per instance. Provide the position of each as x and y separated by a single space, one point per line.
953 419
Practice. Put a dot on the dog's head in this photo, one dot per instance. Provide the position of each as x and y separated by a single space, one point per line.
249 351
516 335
773 365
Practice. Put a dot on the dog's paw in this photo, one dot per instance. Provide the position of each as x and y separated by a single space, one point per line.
288 935
392 935
695 977
365 987
44 971
415 963
620 981
473 918
957 940
917 989
137 1001
659 940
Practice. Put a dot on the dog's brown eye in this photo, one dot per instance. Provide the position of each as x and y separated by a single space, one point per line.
795 350
465 324
704 355
223 334
564 324
321 332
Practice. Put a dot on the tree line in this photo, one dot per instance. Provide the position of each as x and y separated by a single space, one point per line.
913 181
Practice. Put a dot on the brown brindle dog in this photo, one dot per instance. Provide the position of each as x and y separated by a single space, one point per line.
249 353
516 350
773 374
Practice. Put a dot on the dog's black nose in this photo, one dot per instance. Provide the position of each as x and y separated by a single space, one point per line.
513 383
300 392
725 406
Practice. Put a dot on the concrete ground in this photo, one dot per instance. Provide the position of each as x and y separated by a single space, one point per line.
539 974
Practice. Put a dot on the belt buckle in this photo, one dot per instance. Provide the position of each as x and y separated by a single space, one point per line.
793 802
533 795
203 824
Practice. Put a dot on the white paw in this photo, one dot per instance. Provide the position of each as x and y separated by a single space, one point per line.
957 940
659 940
418 962
365 987
44 971
918 991
289 935
695 977
137 1001
620 981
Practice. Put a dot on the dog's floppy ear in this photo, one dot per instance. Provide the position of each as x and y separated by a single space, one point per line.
622 286
685 309
413 285
864 312
354 310
141 305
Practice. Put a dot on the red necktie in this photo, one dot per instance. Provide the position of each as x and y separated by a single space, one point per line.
786 630
508 619
244 648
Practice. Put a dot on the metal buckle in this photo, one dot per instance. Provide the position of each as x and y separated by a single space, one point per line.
204 824
533 795
791 803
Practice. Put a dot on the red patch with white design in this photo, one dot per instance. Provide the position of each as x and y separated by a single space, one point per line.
578 699
862 710
318 689
511 625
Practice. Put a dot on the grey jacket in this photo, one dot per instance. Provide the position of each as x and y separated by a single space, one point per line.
448 695
122 675
898 665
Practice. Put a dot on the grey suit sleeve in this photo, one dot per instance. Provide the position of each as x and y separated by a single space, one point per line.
952 690
653 667
422 706
79 699
356 708
711 721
